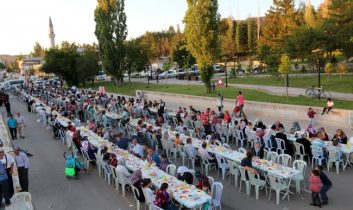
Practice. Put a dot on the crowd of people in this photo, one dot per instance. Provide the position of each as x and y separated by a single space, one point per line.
90 108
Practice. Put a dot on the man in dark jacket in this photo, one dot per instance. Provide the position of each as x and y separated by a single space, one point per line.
326 185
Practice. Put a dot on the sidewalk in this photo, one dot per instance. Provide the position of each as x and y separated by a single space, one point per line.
274 90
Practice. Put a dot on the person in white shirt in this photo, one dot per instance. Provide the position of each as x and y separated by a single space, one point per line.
122 170
135 148
20 124
189 149
147 191
203 153
180 128
8 162
328 107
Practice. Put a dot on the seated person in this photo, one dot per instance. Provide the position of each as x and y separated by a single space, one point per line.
148 192
164 162
121 142
340 137
112 160
280 134
302 139
163 198
178 139
122 170
137 181
247 163
135 148
185 175
295 127
152 157
258 151
189 149
186 131
321 134
203 153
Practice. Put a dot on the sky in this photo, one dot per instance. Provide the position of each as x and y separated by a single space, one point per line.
23 22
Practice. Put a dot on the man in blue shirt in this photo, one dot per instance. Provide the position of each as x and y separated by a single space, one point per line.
22 163
12 123
153 157
121 142
4 185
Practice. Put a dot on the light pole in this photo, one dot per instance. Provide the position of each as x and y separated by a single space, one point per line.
225 64
318 53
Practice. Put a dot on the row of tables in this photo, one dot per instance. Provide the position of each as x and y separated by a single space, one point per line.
187 195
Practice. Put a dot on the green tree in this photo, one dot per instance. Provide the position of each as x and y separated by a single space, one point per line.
328 69
2 66
309 15
341 69
136 57
249 33
228 44
111 32
280 20
284 69
87 66
182 56
201 30
237 36
38 50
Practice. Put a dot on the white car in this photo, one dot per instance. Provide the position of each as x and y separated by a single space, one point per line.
168 74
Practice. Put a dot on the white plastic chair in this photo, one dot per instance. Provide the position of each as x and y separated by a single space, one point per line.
154 207
171 169
334 157
233 172
22 201
299 151
107 172
123 181
216 193
208 138
136 194
227 134
241 138
318 156
225 145
115 177
191 158
301 166
99 164
244 179
222 165
272 156
268 143
281 146
87 159
218 143
172 149
254 179
206 165
284 160
279 185
242 150
210 180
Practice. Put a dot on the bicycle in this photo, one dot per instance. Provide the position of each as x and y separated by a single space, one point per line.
315 92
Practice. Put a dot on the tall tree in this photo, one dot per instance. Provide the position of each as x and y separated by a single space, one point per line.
136 57
38 50
284 69
237 36
279 22
309 16
87 65
249 33
228 44
201 30
111 32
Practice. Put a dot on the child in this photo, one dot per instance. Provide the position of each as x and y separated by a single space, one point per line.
311 114
315 186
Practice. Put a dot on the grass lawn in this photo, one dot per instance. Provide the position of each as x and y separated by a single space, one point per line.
331 83
230 92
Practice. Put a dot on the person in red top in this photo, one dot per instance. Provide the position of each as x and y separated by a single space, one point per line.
205 120
315 187
311 114
240 101
163 198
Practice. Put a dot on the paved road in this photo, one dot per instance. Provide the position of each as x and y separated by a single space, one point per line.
274 90
48 185
51 190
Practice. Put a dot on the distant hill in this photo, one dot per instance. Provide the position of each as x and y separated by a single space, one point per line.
8 58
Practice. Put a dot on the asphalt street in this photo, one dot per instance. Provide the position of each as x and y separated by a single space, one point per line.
50 188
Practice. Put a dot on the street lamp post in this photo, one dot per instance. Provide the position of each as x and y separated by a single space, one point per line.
318 53
225 64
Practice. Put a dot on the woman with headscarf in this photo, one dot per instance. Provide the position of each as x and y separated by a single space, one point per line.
185 175
295 127
137 181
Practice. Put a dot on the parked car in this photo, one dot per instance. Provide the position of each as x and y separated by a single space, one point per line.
217 68
7 85
168 74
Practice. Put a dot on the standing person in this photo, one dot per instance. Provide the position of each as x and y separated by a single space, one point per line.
20 124
315 186
8 162
11 122
213 87
240 102
328 107
22 163
326 185
220 102
311 114
4 185
8 107
205 120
